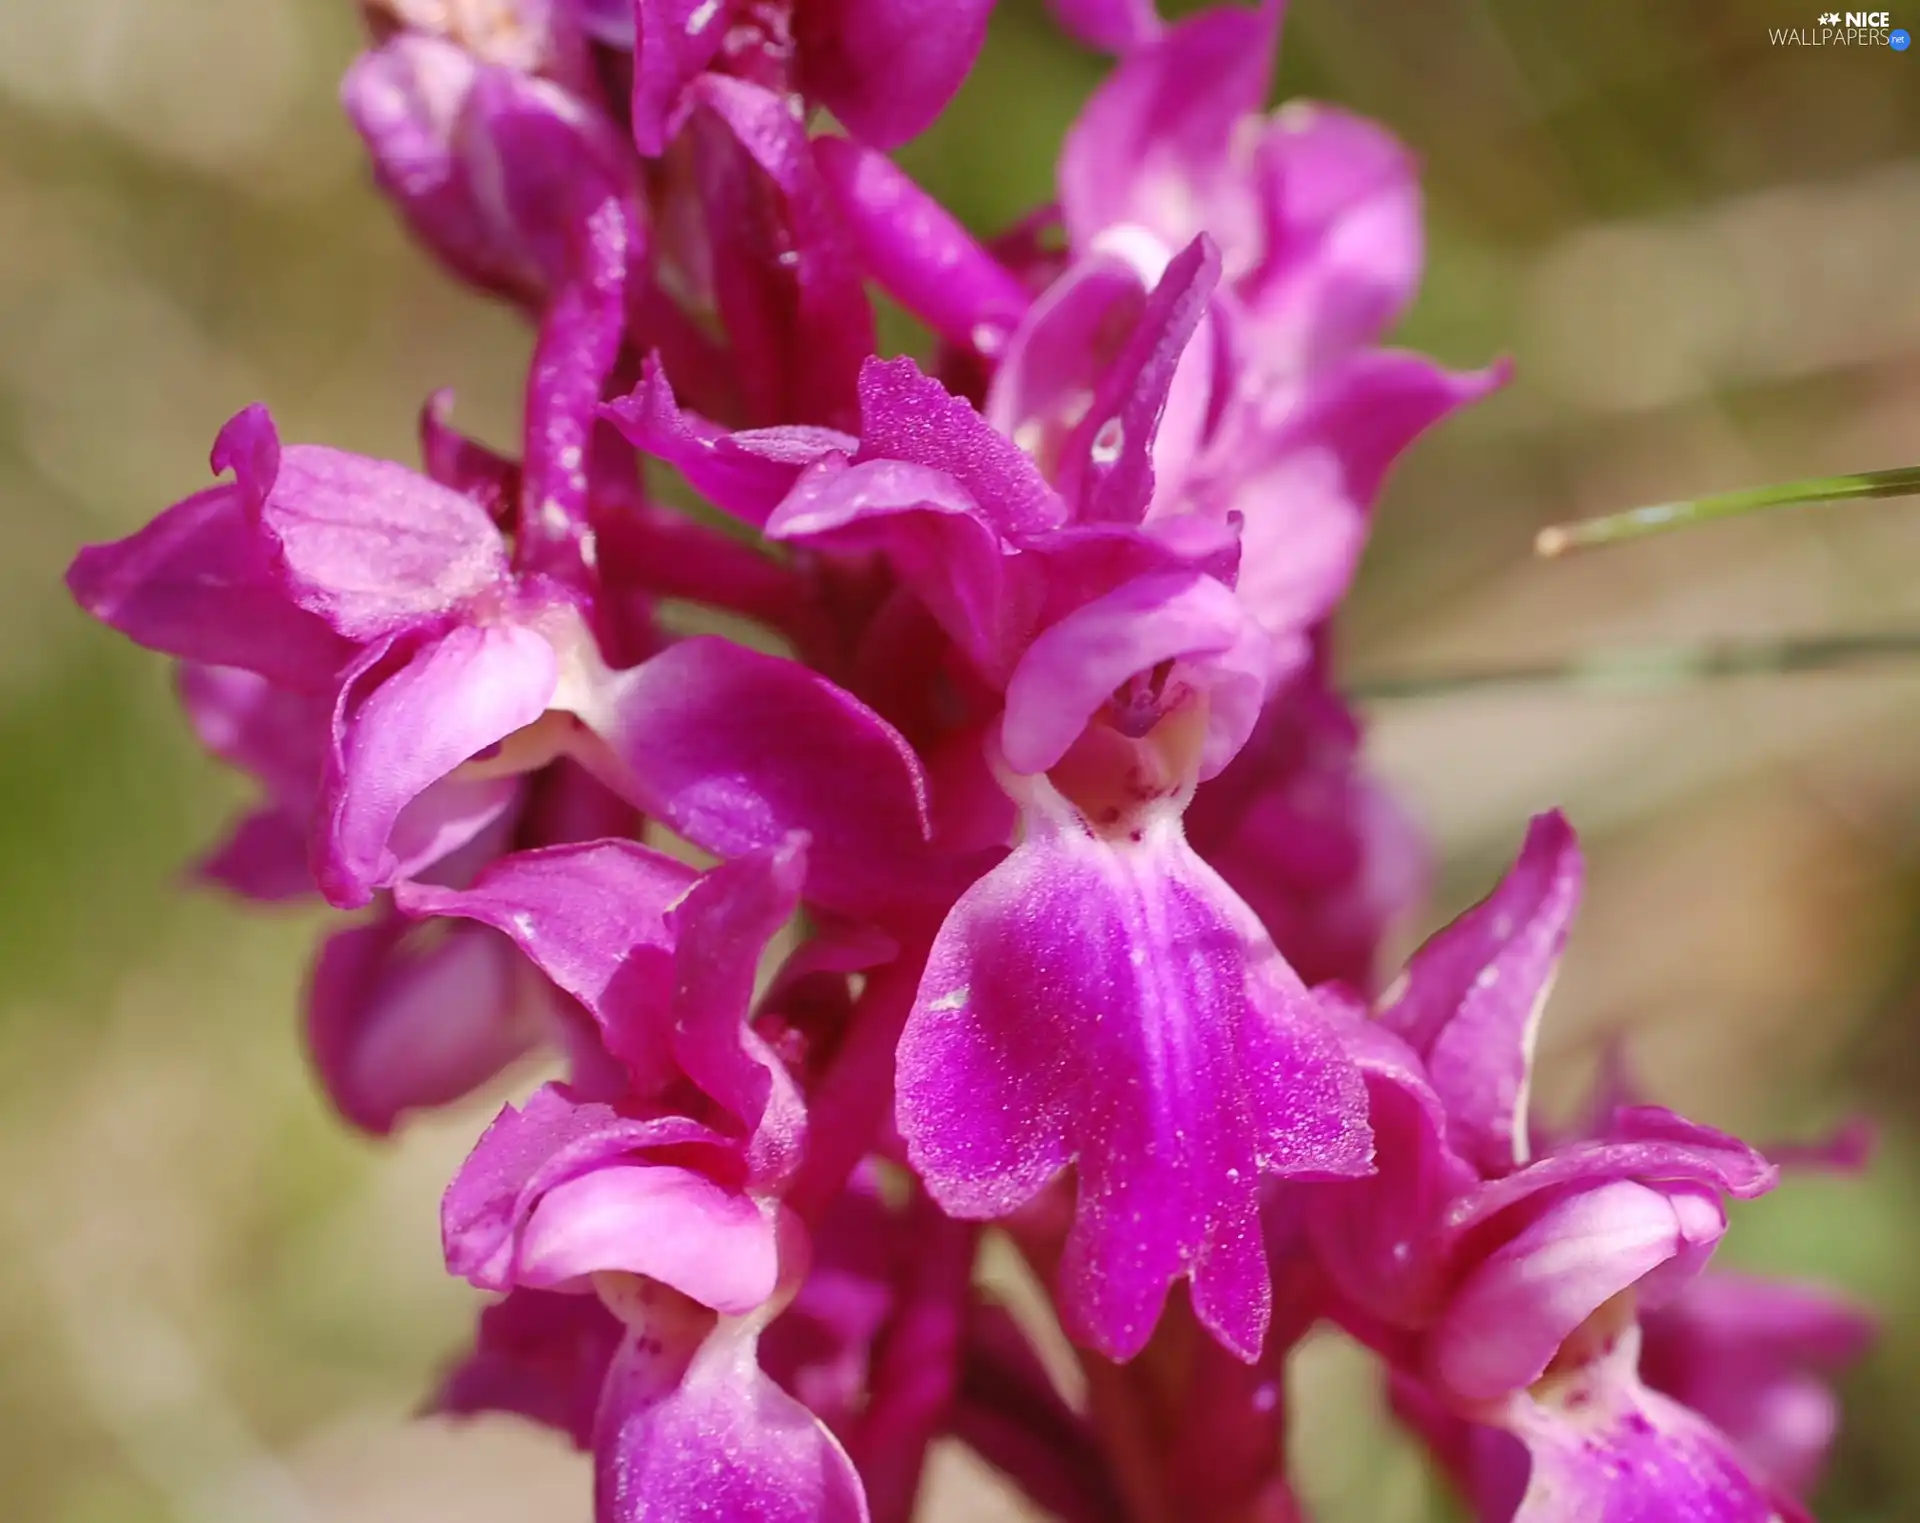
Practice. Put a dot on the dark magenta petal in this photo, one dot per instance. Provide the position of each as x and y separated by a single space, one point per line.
199 583
672 41
1373 1236
1154 146
918 251
792 299
746 473
394 739
887 68
1114 1008
1113 26
275 734
264 857
937 539
1471 998
686 1441
396 1023
407 99
593 918
736 750
820 1347
541 1355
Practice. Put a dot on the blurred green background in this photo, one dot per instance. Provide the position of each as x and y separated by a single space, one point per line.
215 1304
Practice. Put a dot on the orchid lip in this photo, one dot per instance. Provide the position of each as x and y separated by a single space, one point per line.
1136 764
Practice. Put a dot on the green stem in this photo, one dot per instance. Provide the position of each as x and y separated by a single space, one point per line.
1638 523
1656 668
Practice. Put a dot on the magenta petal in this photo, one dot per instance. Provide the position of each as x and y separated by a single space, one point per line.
745 473
1113 26
396 1025
1754 1357
489 478
673 40
1344 243
453 699
198 583
1647 1144
1472 996
887 68
1506 1322
721 1441
1319 849
1108 1007
263 858
918 251
935 536
540 1355
665 1223
736 750
1073 668
793 302
1372 1235
275 734
1607 1450
373 547
1154 146
593 918
1308 482
527 1152
1160 381
907 415
407 100
722 929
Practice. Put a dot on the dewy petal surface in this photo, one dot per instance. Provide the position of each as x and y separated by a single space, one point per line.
1109 1007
